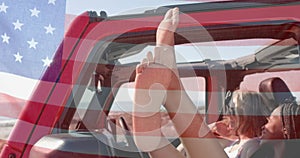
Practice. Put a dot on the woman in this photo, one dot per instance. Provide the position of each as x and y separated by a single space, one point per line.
246 119
280 136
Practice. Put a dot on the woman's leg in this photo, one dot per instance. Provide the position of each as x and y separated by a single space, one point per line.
153 77
154 83
188 123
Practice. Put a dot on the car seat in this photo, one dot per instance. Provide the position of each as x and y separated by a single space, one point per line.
275 91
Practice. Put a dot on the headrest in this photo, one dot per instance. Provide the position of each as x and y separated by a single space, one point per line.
276 87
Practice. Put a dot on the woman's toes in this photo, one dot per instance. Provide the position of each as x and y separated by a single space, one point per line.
144 61
150 57
169 14
175 17
140 67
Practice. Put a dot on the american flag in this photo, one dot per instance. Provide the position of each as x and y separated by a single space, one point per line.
30 31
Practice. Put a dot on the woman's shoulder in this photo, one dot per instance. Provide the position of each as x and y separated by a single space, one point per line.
264 151
292 148
252 142
249 147
231 153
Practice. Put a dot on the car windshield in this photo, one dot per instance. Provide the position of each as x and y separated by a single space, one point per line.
216 50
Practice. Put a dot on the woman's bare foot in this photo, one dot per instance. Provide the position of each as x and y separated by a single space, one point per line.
156 72
164 52
167 27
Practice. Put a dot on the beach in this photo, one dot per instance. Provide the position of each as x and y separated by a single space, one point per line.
5 128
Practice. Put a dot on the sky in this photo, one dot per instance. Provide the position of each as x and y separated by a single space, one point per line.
115 7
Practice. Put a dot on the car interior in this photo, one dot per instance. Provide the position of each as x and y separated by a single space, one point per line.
97 118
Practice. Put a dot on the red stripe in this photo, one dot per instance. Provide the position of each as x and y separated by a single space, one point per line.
10 106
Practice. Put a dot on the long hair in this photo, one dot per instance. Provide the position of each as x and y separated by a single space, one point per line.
249 109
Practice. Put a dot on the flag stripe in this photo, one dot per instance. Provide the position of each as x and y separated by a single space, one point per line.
30 34
17 86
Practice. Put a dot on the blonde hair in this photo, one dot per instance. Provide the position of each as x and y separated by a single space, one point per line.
249 108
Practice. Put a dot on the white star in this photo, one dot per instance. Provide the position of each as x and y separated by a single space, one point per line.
47 62
18 57
49 29
32 43
51 2
3 7
18 25
5 38
34 12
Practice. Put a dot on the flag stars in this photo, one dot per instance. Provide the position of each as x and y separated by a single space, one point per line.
18 57
34 12
32 43
18 25
3 7
49 29
51 2
5 38
47 62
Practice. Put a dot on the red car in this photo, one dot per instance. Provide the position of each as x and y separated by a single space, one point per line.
82 107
